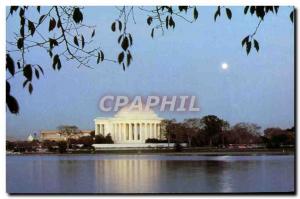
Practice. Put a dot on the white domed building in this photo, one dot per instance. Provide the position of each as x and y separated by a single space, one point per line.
130 126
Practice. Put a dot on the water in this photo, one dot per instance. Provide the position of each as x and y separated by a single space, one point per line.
149 174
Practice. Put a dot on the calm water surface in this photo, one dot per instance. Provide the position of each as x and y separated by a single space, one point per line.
149 174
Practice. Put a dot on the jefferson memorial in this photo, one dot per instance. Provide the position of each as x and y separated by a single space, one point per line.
130 126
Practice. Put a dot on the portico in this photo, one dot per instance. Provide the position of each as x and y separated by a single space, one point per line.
130 126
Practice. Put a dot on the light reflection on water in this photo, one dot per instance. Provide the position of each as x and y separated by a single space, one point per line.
149 174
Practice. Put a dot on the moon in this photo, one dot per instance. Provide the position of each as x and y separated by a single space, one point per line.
224 66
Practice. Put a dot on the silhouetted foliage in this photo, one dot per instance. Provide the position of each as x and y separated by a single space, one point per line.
87 141
62 147
276 137
212 126
50 145
178 147
67 30
22 146
68 131
100 139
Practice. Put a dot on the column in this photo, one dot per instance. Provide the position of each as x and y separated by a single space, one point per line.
151 131
135 131
155 130
139 131
148 130
142 131
123 132
97 129
130 132
116 132
119 132
113 130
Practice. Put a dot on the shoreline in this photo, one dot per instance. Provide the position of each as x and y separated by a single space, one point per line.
243 152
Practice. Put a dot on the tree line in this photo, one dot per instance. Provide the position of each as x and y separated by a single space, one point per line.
213 131
208 131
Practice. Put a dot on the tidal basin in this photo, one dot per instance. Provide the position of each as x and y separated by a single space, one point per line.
111 173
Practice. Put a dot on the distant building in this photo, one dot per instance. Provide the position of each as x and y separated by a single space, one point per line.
30 138
54 135
130 126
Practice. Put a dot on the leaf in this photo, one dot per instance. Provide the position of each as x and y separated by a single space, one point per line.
256 45
31 27
130 39
13 9
27 72
22 32
82 41
102 55
228 12
56 61
113 26
93 33
149 20
10 65
25 82
41 69
167 22
181 8
125 43
38 8
59 24
98 58
120 37
7 88
152 33
195 13
20 43
292 16
30 88
50 53
21 13
260 12
121 57
76 41
42 19
52 43
252 10
52 24
37 74
248 47
245 40
120 25
217 13
246 9
276 9
129 58
77 15
172 22
12 104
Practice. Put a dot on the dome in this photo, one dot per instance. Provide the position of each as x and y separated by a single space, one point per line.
135 113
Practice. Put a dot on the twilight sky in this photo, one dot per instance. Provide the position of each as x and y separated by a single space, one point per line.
258 88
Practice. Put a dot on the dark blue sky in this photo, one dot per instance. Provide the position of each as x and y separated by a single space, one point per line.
258 88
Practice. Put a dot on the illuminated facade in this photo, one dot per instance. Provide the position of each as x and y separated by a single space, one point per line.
130 126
